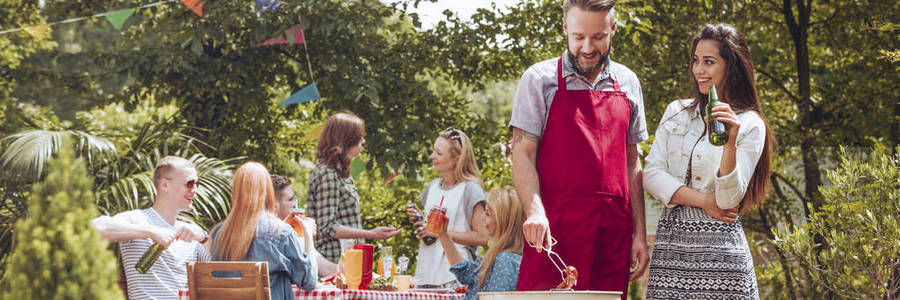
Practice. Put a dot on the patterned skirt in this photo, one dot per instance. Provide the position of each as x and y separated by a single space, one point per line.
698 257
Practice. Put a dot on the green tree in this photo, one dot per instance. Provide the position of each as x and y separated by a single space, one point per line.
57 256
365 57
858 221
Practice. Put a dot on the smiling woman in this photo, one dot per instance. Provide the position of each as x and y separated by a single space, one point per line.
703 185
459 194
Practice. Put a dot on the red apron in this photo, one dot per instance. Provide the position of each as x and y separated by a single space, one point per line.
581 164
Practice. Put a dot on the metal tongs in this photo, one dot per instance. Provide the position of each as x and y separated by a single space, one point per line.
561 267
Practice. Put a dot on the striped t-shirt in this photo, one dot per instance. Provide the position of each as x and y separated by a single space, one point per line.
169 273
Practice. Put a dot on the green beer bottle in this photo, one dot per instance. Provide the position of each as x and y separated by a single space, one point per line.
718 136
149 257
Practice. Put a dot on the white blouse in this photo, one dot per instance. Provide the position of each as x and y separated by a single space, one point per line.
676 135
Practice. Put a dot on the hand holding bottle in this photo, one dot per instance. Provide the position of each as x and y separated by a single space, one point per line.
414 213
723 113
162 236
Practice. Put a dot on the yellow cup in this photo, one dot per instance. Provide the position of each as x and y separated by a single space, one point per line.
403 282
353 268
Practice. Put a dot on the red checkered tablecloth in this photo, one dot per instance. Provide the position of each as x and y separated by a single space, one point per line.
356 295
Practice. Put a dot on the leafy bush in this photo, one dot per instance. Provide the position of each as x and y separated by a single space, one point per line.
860 256
57 255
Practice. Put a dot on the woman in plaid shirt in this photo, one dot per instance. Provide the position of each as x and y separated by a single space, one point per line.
333 200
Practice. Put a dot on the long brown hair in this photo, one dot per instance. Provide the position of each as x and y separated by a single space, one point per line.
510 216
251 194
461 148
342 131
739 90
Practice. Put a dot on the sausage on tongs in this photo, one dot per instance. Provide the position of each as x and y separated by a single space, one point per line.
569 274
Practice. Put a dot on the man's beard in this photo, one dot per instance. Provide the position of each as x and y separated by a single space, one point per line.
586 71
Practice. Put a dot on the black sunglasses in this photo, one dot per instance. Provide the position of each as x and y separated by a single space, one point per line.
190 184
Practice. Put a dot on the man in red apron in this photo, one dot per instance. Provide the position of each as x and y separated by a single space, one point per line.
576 122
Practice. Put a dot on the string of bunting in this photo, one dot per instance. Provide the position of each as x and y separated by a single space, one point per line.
117 18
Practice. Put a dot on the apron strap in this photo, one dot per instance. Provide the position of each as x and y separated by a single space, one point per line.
561 81
615 80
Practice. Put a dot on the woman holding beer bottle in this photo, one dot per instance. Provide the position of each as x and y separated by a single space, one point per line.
458 195
706 179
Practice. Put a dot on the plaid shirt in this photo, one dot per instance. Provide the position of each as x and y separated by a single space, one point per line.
332 201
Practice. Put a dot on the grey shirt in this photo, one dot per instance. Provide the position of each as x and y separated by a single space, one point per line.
539 84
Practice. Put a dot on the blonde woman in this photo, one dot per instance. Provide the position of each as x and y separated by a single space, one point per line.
460 188
499 271
252 232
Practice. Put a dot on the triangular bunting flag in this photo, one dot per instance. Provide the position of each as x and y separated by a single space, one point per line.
389 178
307 93
39 31
117 18
294 36
195 5
264 5
357 166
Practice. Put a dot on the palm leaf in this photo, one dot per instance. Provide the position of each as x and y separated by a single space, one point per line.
28 151
212 201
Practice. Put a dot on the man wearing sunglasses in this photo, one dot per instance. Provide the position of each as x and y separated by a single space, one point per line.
175 179
576 121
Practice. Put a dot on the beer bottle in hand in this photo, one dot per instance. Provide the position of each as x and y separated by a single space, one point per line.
718 136
143 265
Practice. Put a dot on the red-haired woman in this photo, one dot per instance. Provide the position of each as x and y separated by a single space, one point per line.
252 232
333 200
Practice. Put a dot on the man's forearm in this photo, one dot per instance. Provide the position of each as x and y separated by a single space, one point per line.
636 189
524 172
527 186
115 230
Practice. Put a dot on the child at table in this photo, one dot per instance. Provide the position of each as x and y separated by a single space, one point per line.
499 270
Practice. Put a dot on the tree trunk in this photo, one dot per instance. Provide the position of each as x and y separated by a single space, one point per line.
799 29
895 127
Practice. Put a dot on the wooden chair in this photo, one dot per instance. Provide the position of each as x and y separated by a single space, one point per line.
252 284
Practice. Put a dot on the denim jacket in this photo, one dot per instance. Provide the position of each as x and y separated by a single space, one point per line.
277 244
